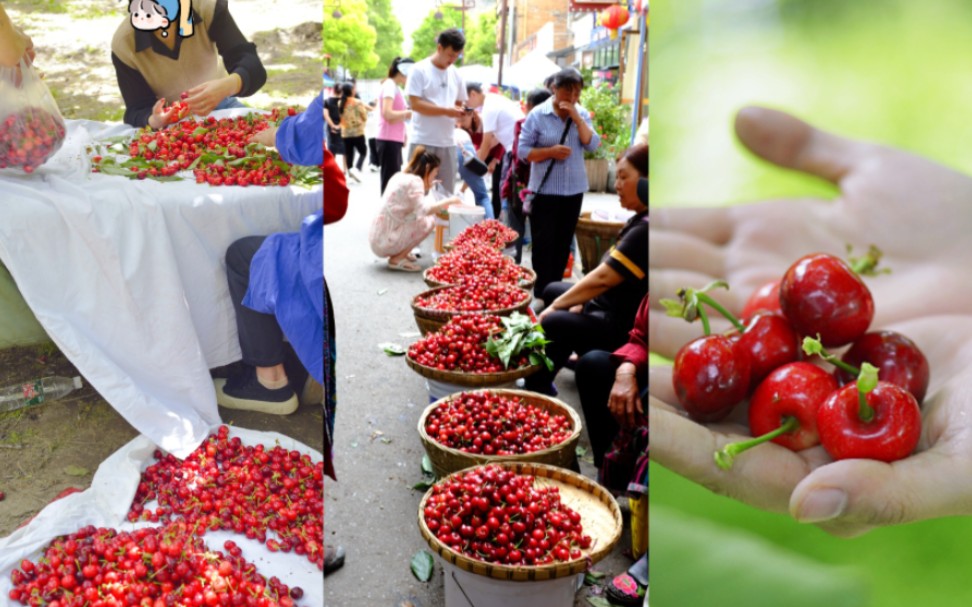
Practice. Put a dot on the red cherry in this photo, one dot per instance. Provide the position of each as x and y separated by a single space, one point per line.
770 342
820 294
898 359
783 409
766 297
891 433
793 390
710 376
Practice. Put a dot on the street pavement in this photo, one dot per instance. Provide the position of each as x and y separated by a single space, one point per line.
371 510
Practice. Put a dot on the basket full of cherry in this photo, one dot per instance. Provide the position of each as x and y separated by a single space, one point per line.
480 350
495 233
478 262
519 521
487 426
863 403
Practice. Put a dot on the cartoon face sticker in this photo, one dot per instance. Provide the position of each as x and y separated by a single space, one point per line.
151 15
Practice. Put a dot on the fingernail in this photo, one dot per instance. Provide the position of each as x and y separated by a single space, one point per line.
822 505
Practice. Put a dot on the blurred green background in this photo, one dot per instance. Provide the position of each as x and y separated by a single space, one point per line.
889 71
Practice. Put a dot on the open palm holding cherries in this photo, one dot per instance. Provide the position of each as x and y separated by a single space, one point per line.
869 421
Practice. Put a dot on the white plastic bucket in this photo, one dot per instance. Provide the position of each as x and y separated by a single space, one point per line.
465 589
439 389
462 216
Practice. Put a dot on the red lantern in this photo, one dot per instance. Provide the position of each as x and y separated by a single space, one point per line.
614 18
641 7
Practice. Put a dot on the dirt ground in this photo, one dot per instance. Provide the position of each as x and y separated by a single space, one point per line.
49 448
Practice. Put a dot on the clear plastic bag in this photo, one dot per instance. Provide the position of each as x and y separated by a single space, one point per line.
31 126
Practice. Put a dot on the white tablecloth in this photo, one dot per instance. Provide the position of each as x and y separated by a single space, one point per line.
128 277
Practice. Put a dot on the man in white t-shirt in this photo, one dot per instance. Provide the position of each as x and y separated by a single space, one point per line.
436 94
499 115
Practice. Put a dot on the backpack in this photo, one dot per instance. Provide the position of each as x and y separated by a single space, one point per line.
517 176
354 117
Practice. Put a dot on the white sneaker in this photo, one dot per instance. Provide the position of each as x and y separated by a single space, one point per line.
353 175
374 169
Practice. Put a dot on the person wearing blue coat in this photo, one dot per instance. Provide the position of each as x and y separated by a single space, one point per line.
277 286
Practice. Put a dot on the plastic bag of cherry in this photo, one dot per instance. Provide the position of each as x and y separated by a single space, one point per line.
31 126
868 406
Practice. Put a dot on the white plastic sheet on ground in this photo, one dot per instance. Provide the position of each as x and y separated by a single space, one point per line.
128 277
106 504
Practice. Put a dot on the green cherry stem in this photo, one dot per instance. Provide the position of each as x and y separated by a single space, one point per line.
705 321
725 456
866 382
866 265
813 346
688 306
706 299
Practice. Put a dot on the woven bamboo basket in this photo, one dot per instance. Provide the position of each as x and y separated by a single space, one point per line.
432 320
446 460
600 518
471 380
594 239
524 283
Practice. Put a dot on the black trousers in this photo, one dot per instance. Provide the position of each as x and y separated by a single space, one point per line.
595 378
496 199
353 144
373 152
552 225
261 339
569 332
389 159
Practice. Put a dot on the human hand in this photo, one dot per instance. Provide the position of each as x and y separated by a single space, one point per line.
267 137
204 98
453 112
570 108
559 152
623 402
160 117
921 299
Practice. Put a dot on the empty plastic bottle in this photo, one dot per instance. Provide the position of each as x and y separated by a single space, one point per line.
37 392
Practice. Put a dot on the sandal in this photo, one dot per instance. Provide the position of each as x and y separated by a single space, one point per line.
404 265
624 590
333 558
629 588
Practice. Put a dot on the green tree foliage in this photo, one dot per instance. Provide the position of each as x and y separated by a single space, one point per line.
350 40
390 38
611 118
423 39
481 40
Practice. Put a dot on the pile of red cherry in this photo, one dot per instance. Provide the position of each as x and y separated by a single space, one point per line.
491 231
473 297
29 137
217 152
475 262
460 345
495 515
493 424
251 490
868 407
151 567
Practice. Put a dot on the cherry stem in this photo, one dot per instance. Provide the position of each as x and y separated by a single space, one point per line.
866 265
813 346
866 382
705 322
725 456
706 299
